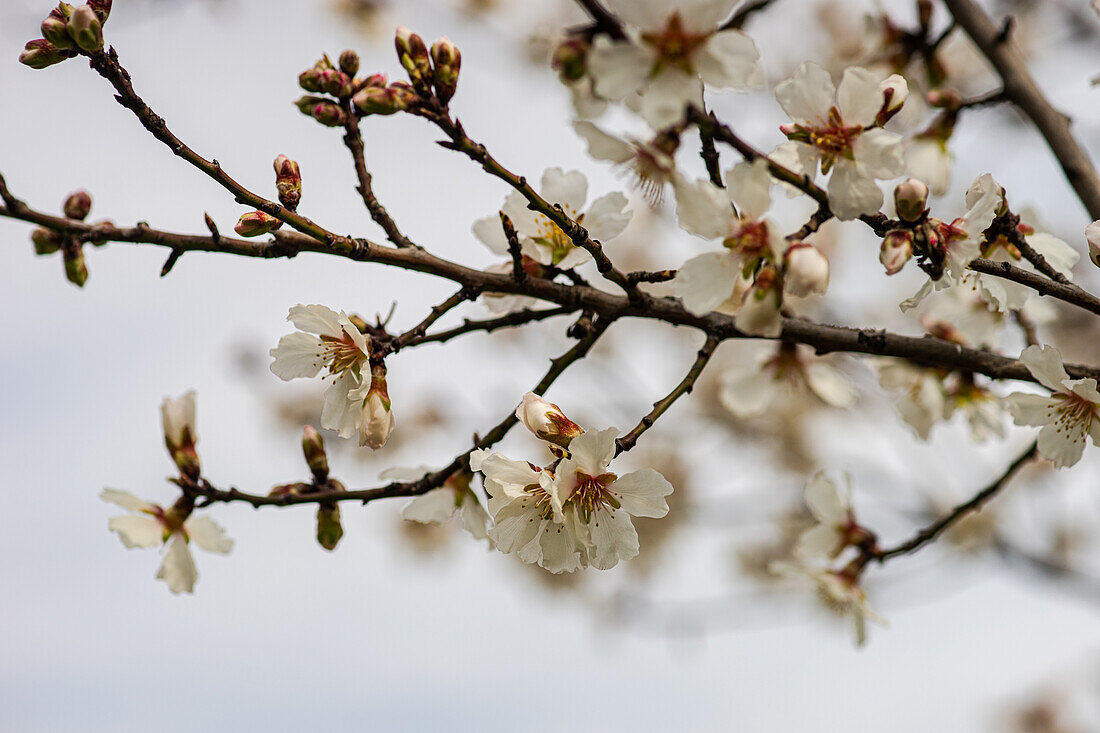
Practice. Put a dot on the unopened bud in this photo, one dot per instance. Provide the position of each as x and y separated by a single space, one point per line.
911 200
547 421
446 61
256 224
288 181
46 241
76 270
374 100
177 418
310 79
313 447
307 103
413 55
897 248
335 83
349 62
1092 234
86 29
570 59
944 99
329 114
894 90
806 271
101 8
376 80
329 529
77 205
40 54
378 421
55 28
290 489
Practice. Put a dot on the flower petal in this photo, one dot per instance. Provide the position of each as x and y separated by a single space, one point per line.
808 94
298 355
603 146
434 507
832 386
315 319
570 189
614 538
607 217
208 534
591 451
728 59
618 68
1045 364
859 98
852 193
137 531
642 493
125 499
178 567
702 208
880 153
749 186
705 282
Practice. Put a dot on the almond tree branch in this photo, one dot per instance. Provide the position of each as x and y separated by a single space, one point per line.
515 318
945 522
1021 89
433 480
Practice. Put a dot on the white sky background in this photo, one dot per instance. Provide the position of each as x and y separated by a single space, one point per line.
284 636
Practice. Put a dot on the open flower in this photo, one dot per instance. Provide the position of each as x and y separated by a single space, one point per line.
601 503
709 280
836 528
326 340
438 505
543 240
771 373
922 402
665 52
651 164
1068 416
838 591
837 127
152 525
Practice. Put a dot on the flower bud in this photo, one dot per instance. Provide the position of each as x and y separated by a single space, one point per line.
944 99
349 62
86 29
377 418
307 103
897 248
329 529
46 241
313 447
894 90
446 64
807 270
1092 234
55 28
177 417
570 59
376 80
40 54
310 79
759 313
288 181
329 114
372 100
256 224
547 421
101 8
335 83
77 205
293 489
911 200
76 271
413 55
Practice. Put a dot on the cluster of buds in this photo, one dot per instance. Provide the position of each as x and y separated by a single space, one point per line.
435 70
66 31
326 78
547 421
48 241
378 97
329 528
911 205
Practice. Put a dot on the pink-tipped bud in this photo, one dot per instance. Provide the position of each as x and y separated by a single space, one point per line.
86 29
256 224
894 90
46 241
795 132
413 55
944 98
377 421
570 59
55 28
101 8
897 248
177 417
376 80
310 79
329 114
446 63
76 270
911 200
806 270
307 103
335 83
288 182
329 529
313 447
397 97
349 63
77 205
40 54
547 421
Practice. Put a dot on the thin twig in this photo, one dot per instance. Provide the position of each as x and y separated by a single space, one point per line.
513 248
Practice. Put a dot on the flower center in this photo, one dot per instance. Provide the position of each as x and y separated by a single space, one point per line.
340 354
749 238
1071 414
592 493
674 45
830 136
539 500
550 235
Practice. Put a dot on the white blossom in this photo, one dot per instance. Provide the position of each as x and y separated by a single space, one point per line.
667 49
772 373
836 127
151 525
544 241
651 164
922 402
839 592
438 505
1068 416
831 506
